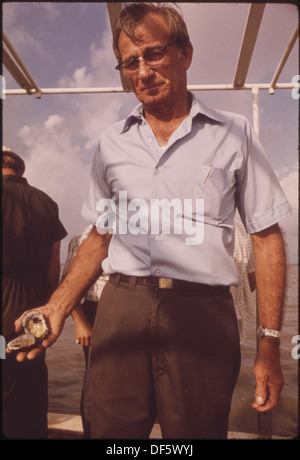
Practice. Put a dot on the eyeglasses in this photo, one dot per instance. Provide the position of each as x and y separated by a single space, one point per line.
152 57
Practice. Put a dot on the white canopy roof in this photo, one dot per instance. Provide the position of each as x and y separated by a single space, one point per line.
28 85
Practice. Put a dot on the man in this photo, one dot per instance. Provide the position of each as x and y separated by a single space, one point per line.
165 339
31 232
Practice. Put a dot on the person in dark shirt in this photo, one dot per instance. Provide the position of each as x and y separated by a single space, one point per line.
31 236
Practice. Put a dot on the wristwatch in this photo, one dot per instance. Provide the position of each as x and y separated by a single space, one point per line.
263 331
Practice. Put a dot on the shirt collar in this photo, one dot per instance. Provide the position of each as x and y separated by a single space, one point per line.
136 116
14 178
198 108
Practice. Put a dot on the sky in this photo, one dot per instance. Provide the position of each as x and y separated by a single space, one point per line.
70 45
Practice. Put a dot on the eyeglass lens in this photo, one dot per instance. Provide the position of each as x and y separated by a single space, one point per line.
151 57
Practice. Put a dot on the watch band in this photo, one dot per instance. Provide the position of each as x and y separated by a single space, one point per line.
263 331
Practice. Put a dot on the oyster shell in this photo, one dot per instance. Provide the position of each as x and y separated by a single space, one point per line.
23 341
34 323
35 328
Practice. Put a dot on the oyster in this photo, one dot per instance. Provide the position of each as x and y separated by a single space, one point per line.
34 323
35 328
23 341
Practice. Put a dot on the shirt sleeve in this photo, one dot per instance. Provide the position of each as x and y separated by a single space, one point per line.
260 198
59 230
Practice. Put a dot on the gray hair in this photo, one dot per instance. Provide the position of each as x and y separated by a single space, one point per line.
134 13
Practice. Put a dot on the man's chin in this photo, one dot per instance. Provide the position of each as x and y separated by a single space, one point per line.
153 98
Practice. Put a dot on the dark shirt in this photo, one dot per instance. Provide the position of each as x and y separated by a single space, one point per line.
30 227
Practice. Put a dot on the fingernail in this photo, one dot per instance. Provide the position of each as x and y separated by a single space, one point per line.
259 400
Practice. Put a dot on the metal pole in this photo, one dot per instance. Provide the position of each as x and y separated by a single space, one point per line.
255 109
22 68
254 19
120 89
284 59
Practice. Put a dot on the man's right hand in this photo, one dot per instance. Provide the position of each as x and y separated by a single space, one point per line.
85 269
55 321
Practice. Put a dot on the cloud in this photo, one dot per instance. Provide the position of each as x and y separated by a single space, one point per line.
55 162
53 122
24 40
60 146
93 113
99 63
51 8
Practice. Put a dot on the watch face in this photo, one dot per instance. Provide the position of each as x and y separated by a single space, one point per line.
260 331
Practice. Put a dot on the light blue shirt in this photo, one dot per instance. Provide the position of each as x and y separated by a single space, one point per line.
212 165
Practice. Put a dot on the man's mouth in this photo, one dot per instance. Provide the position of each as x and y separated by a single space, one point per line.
149 88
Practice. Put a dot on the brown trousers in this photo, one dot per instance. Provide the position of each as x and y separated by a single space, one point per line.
167 353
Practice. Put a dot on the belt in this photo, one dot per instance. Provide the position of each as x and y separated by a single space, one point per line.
167 283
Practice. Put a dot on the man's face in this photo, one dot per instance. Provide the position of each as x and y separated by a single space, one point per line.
164 84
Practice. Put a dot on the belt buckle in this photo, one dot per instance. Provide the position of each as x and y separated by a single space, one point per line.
165 283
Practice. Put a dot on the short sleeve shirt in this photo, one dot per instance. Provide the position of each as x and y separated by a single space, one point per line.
30 227
171 210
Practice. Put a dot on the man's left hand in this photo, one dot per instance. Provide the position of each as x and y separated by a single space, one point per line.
268 374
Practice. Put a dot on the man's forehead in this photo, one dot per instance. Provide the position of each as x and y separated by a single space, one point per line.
152 28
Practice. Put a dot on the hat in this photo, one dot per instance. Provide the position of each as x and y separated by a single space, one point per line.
19 162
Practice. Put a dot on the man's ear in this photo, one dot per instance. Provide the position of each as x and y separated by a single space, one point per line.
187 53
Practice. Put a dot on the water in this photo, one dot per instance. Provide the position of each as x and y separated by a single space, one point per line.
66 367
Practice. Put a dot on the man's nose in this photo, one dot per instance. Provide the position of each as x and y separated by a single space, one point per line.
144 69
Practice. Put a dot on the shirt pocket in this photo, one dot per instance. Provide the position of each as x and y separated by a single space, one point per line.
216 187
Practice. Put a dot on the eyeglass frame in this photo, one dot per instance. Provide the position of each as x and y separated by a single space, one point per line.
138 59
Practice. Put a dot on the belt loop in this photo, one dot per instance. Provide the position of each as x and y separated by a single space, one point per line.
132 283
118 278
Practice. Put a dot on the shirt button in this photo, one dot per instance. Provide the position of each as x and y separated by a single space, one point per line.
161 168
157 272
149 140
157 238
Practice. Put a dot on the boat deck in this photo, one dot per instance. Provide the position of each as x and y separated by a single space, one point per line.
63 426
